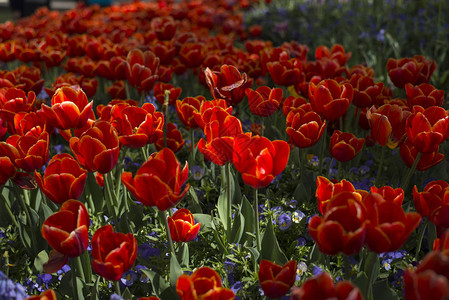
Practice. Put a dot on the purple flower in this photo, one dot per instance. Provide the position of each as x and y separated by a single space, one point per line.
143 277
236 287
229 266
284 221
197 172
128 278
146 250
316 270
42 281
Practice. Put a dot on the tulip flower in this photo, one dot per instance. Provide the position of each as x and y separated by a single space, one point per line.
327 189
337 53
258 159
69 108
409 153
276 280
343 226
207 109
204 283
427 128
164 27
228 84
330 99
220 132
304 128
192 54
431 277
159 92
174 139
344 146
67 230
98 147
141 69
425 95
46 295
294 104
387 124
187 108
8 156
33 150
137 126
182 226
13 101
365 90
64 179
388 226
286 72
322 287
264 101
415 70
159 180
113 253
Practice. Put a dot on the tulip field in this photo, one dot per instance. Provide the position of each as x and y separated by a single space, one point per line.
226 149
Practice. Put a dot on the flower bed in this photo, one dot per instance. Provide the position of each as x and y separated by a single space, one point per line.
164 150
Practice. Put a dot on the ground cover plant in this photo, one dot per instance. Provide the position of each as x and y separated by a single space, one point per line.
165 150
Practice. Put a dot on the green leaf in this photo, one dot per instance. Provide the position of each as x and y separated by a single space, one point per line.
95 192
361 281
45 211
161 288
248 213
382 291
205 221
270 246
221 207
195 203
255 256
40 260
185 256
237 227
94 290
175 270
372 266
127 294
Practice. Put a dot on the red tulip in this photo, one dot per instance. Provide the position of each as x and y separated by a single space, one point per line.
174 139
322 287
259 160
182 226
33 150
220 131
46 295
414 70
431 277
344 146
8 156
187 108
159 180
286 72
427 160
204 283
276 280
428 128
69 108
142 69
113 253
337 53
425 95
388 226
206 110
294 104
365 90
264 101
343 226
330 99
14 101
192 54
159 92
327 189
304 128
63 179
387 124
164 27
228 84
137 126
67 230
98 147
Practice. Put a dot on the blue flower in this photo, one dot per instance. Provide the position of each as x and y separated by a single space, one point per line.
62 271
146 250
59 149
143 277
128 278
42 281
10 289
301 242
229 266
236 287
284 221
116 297
316 270
197 172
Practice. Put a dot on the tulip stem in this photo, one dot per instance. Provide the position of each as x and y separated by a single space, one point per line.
229 201
422 230
192 146
164 215
8 210
74 279
109 204
117 288
379 169
256 220
165 111
323 145
411 171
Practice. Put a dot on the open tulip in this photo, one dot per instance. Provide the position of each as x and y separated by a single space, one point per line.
276 280
113 253
67 230
159 180
63 179
427 160
330 99
428 128
343 226
304 128
69 108
187 108
259 160
33 150
173 137
204 283
326 189
322 287
182 226
264 101
414 70
425 95
98 147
